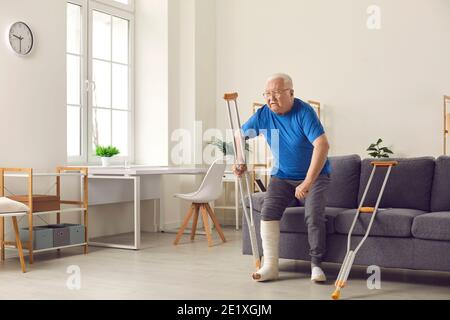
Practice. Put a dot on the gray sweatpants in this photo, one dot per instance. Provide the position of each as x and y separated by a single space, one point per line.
281 193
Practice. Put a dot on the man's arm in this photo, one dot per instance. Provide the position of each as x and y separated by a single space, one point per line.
318 160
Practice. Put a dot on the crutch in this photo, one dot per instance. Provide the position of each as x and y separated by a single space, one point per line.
235 123
351 254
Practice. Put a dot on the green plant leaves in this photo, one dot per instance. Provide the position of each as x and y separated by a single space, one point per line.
226 148
376 151
106 152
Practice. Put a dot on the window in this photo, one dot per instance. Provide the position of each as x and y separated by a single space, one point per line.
99 80
122 4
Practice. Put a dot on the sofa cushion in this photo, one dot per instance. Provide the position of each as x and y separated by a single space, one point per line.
440 200
293 220
345 176
432 226
388 222
409 184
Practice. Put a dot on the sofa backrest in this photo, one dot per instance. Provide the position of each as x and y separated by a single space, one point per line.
345 176
409 184
440 194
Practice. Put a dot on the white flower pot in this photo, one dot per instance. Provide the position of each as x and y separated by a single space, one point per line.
106 161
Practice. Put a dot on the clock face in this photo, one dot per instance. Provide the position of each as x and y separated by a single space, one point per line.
21 38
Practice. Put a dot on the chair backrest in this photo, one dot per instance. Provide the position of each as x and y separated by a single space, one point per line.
211 187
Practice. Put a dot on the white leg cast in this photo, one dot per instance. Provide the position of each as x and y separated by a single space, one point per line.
270 235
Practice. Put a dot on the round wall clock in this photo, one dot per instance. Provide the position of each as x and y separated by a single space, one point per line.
21 38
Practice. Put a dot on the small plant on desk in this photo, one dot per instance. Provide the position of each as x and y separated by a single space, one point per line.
106 153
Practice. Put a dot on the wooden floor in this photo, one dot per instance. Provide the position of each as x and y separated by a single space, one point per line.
194 271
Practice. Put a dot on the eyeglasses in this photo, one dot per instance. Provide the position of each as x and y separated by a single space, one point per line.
274 94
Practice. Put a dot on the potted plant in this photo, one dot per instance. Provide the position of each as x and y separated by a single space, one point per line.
226 148
106 153
379 152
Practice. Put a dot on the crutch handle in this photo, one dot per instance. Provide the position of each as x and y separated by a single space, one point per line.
231 96
367 210
384 163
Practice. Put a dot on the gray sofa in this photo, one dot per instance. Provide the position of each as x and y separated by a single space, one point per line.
412 231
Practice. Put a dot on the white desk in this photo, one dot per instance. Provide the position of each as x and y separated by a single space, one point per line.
109 185
229 177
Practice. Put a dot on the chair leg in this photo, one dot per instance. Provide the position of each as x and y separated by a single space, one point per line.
19 244
215 221
194 223
206 224
30 239
2 239
184 225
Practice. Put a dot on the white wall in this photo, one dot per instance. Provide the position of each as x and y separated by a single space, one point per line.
33 88
33 94
151 75
384 83
192 88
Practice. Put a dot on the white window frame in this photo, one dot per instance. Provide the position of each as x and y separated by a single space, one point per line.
87 152
83 157
125 15
112 3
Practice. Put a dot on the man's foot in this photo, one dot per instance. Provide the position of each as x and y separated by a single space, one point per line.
317 275
265 274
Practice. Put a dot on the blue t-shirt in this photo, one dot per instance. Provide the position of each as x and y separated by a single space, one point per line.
290 137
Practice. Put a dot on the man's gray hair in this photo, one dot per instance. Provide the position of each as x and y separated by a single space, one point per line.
288 83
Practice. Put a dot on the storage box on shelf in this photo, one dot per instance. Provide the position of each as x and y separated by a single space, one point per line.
42 237
37 239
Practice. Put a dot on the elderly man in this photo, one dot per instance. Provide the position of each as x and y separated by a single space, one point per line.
301 170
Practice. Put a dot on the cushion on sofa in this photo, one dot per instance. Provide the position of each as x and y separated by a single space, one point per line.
440 199
293 220
409 184
345 176
388 223
432 226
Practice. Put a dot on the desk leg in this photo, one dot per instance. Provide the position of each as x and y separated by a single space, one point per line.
236 199
162 217
2 239
137 213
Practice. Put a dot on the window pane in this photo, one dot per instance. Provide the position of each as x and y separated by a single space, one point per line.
120 131
101 36
120 40
73 28
101 74
101 127
73 80
74 131
120 87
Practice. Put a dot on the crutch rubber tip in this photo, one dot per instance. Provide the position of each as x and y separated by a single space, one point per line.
336 295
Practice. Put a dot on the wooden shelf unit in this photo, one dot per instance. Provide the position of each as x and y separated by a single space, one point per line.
31 200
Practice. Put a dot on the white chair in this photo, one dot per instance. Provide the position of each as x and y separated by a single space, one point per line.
209 191
13 209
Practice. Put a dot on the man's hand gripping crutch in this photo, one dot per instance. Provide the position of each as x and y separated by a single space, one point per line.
241 170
